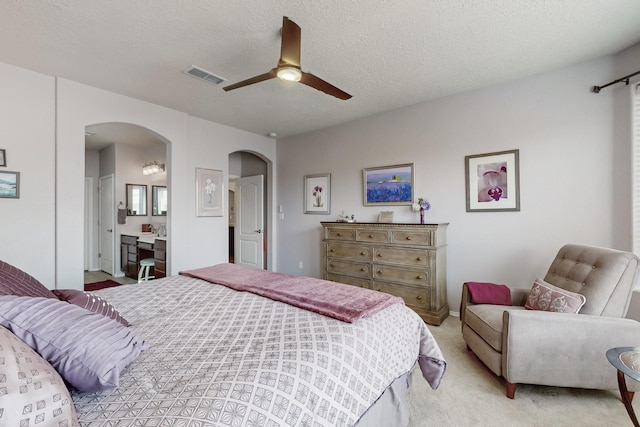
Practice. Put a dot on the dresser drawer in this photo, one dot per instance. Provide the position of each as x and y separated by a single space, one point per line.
410 257
128 240
373 236
341 234
349 252
410 237
353 268
349 280
145 246
399 274
413 297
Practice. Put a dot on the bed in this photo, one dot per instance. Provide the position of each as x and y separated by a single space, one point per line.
210 355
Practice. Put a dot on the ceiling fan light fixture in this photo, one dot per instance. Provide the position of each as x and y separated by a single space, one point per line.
291 74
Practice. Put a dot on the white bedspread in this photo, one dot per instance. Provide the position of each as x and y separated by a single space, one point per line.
219 357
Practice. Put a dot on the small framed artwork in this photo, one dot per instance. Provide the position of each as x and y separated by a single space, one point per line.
9 185
209 192
385 216
388 185
317 194
493 182
3 157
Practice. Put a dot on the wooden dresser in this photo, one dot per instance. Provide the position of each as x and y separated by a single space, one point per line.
406 260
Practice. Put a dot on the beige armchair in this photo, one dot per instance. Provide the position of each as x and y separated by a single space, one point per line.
559 349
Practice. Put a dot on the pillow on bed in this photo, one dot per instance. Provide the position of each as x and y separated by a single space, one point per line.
546 297
14 281
31 391
89 350
91 302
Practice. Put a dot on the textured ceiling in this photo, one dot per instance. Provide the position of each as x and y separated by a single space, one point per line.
387 54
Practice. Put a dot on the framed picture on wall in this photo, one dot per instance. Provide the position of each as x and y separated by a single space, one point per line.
209 192
3 157
388 185
317 194
493 182
9 185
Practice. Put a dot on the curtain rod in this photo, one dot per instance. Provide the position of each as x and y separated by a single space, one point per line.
624 79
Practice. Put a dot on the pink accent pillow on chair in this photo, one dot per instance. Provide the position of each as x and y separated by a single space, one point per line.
489 293
546 297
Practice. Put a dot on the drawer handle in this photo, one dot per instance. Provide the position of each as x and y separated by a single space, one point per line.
332 265
379 255
363 269
379 289
338 234
363 253
408 237
379 271
333 250
371 236
419 258
419 277
419 297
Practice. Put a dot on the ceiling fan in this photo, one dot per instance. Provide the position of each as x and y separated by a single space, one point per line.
289 65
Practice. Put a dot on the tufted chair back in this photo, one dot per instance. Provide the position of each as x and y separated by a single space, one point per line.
605 277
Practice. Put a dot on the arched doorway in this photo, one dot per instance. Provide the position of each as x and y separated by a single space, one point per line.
115 154
248 206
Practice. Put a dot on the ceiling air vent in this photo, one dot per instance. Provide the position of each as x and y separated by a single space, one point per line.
204 75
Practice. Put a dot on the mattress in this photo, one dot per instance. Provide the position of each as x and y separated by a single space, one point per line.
219 357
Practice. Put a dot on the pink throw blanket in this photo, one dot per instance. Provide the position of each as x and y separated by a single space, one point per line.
489 293
343 302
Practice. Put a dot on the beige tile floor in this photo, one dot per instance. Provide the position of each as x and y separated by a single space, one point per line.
99 276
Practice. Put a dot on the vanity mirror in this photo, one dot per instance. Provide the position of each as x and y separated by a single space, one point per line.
136 200
158 200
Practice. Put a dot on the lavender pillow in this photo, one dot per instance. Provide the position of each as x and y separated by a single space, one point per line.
91 302
14 281
546 297
87 349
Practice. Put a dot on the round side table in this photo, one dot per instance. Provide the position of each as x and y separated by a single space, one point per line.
627 361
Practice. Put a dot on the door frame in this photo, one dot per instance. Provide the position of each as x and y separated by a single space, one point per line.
100 232
88 223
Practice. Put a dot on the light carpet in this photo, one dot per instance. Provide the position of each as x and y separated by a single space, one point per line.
471 395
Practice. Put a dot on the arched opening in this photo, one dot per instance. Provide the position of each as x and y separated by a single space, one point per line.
115 154
249 203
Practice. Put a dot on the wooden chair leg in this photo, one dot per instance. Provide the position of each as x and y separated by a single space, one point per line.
511 390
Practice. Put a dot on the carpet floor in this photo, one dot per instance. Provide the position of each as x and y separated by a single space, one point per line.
471 395
89 287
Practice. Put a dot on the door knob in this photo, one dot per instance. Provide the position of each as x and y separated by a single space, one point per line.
110 230
258 231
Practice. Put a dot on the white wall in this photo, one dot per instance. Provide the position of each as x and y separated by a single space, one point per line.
573 174
44 119
27 133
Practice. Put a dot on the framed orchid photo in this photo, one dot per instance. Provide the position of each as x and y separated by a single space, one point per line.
493 182
317 194
209 192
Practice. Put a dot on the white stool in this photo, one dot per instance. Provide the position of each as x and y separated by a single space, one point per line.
145 266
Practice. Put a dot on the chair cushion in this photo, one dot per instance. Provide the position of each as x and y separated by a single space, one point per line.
546 297
486 321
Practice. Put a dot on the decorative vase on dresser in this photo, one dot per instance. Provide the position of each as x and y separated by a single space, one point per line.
406 260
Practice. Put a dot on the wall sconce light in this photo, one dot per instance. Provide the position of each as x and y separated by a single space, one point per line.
152 167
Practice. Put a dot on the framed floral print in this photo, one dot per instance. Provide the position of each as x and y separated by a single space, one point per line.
493 182
317 194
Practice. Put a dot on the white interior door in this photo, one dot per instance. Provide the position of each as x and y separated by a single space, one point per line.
249 229
88 222
107 214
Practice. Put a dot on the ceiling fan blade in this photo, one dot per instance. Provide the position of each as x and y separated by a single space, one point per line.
290 48
262 77
319 84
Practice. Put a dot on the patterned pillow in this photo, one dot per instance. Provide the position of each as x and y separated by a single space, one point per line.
14 281
546 297
89 350
91 302
31 391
